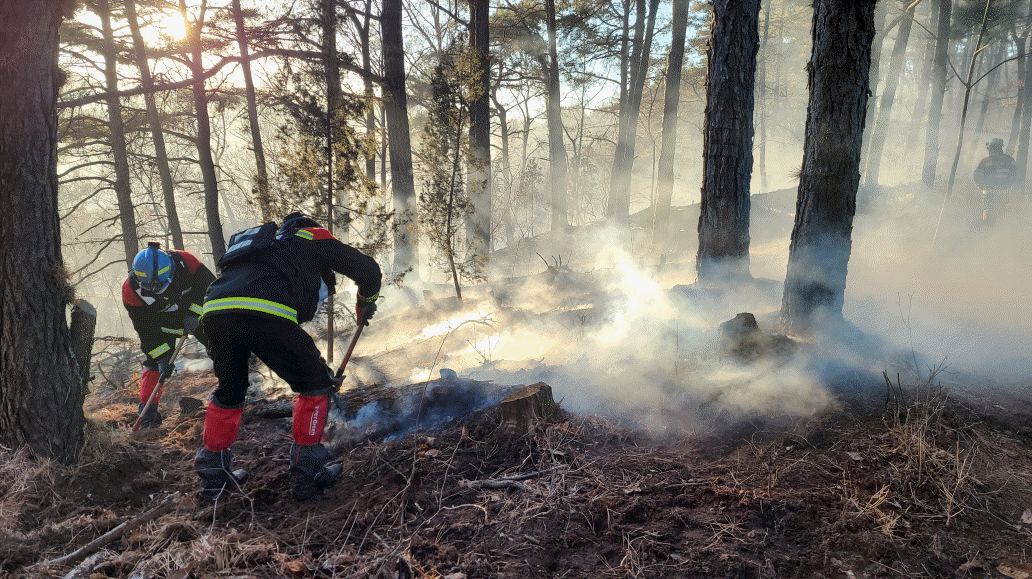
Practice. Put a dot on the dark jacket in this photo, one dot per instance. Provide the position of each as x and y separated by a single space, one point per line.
285 279
159 319
997 171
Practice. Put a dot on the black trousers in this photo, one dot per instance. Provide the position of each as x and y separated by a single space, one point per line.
284 347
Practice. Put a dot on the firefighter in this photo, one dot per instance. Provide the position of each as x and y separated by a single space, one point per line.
995 175
163 295
270 281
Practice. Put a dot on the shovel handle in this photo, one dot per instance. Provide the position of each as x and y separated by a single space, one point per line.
154 392
351 348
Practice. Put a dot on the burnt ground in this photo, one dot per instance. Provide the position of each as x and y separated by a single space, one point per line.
924 486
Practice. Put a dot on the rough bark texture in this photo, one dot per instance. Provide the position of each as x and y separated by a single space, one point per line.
406 253
82 331
40 393
939 69
480 132
822 236
557 161
522 409
727 142
888 96
116 139
157 134
671 98
262 174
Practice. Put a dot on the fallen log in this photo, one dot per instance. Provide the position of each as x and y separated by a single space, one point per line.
85 569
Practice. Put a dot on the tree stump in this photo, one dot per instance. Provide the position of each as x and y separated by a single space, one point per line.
523 409
82 329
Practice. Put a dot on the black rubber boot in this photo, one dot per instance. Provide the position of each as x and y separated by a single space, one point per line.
215 470
309 474
152 418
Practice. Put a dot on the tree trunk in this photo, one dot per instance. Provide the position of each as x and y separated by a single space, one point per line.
333 111
939 68
888 96
880 34
918 119
727 142
41 395
480 132
204 157
623 158
998 54
1022 97
522 409
557 161
406 253
116 136
762 92
157 134
968 87
671 98
262 177
1021 154
822 235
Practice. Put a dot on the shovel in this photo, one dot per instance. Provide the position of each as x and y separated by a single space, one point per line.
339 375
161 382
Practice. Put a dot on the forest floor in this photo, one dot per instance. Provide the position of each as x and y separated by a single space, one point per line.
928 488
886 480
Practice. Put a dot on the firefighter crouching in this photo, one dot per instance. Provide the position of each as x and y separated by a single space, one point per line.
270 282
163 296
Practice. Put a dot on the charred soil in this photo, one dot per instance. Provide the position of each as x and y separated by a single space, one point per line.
927 486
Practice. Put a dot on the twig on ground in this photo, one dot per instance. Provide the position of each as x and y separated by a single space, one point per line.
115 533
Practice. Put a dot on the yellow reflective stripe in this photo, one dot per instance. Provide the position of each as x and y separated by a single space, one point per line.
159 351
371 298
164 269
305 234
197 309
254 304
172 331
139 273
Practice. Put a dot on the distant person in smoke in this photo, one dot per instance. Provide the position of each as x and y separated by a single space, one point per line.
163 295
271 280
995 175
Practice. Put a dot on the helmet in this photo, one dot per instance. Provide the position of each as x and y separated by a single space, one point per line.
153 269
995 144
297 220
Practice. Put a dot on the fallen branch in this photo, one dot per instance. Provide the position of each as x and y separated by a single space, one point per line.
85 569
115 533
502 483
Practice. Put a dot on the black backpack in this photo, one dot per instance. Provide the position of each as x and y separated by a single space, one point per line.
245 244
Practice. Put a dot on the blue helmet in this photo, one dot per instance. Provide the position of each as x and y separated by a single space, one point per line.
153 269
297 220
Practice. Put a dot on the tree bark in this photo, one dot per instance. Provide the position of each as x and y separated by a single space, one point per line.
558 163
727 142
671 98
880 34
116 137
204 157
406 253
888 96
939 69
618 208
480 132
262 174
157 134
822 235
41 395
